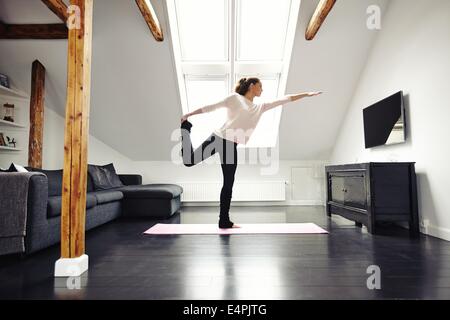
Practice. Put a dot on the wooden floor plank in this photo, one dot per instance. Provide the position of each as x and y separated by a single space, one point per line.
126 264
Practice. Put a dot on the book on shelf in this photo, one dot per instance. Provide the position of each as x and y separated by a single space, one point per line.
2 140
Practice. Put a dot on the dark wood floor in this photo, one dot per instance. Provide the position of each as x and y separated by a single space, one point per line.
125 264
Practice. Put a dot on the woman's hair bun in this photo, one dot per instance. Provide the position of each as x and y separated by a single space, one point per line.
244 83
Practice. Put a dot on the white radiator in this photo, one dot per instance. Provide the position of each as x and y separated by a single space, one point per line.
242 191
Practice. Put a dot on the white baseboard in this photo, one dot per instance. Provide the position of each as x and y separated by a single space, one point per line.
434 231
71 267
305 203
256 203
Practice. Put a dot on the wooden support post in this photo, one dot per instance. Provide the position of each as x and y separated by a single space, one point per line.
58 7
323 9
73 215
150 18
36 115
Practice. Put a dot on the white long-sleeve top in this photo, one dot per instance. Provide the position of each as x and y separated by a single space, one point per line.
242 116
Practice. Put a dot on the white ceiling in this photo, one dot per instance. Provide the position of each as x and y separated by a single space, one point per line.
135 104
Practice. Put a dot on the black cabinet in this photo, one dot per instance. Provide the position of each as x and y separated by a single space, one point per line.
373 192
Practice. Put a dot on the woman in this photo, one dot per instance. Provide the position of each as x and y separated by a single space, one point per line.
242 117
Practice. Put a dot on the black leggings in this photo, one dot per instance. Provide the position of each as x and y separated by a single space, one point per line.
228 157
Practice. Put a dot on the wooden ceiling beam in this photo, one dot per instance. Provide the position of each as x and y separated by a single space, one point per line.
59 8
35 144
33 31
150 18
323 9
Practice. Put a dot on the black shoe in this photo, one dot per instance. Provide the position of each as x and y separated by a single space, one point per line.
186 125
225 224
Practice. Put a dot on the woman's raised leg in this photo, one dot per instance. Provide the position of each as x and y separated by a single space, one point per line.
190 156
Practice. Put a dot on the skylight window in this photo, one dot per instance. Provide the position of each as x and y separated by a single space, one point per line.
261 29
203 29
217 42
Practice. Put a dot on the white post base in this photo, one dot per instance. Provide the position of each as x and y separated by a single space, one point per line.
71 267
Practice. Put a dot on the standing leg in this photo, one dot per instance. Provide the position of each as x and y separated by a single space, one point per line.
229 166
204 151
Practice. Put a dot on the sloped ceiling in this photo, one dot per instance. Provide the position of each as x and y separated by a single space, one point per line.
135 104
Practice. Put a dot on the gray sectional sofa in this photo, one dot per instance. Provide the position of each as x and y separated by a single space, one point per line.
43 212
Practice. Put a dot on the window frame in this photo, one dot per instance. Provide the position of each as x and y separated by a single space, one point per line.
233 67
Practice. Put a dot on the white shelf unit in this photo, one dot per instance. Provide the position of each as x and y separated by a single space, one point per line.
11 124
19 130
10 149
4 91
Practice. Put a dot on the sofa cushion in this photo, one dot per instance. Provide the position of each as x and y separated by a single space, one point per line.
15 168
11 168
90 184
54 178
54 205
131 179
106 196
104 177
152 191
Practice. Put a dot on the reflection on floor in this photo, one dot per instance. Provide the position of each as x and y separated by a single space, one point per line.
126 264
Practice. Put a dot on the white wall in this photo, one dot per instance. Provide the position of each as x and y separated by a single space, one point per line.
134 80
98 152
306 188
53 145
331 63
411 54
135 104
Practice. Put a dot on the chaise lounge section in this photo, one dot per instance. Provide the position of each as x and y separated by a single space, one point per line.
125 197
156 200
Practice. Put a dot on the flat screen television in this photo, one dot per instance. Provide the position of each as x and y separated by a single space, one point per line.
384 122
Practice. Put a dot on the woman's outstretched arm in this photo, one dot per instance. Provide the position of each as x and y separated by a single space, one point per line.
303 95
288 98
205 109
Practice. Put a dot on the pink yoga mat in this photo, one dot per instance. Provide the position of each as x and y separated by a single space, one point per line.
162 228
